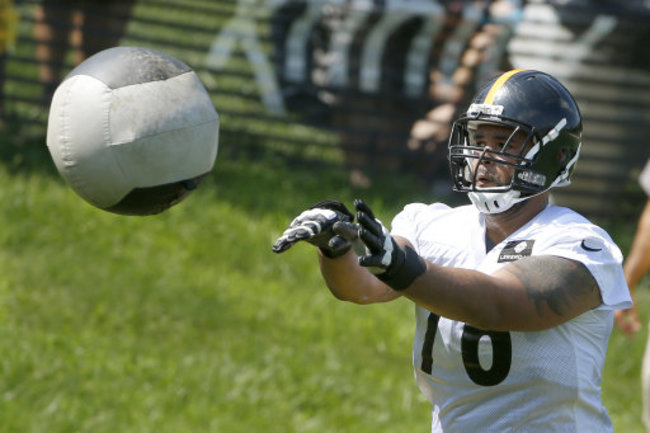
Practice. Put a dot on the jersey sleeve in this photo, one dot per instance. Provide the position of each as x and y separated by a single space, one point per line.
411 220
599 254
404 223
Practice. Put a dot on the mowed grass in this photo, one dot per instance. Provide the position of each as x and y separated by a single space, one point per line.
186 322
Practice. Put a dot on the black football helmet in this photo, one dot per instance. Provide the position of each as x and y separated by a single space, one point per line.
530 102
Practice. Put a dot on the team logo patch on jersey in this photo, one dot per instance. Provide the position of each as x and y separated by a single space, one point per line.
592 244
515 250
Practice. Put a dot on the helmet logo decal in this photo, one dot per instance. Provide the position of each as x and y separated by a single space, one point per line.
475 110
534 178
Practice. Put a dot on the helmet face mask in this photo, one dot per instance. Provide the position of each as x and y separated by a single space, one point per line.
538 146
469 155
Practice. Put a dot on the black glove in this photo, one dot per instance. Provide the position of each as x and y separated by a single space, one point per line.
395 265
315 225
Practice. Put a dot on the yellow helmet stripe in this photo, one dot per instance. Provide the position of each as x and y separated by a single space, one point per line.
489 98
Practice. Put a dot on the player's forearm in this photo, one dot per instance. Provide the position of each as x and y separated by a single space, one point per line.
530 294
459 294
350 282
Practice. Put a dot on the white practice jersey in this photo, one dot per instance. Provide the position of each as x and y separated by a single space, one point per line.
544 381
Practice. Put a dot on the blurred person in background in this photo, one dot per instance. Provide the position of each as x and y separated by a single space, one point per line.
8 28
636 266
86 26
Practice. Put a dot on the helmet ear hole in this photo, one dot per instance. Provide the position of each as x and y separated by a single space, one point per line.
564 155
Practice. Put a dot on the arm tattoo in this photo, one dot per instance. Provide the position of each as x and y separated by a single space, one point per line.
553 281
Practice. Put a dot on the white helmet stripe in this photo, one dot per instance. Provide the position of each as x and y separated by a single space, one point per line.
554 132
563 178
532 152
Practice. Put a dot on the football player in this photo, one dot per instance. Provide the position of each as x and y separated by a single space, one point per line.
515 297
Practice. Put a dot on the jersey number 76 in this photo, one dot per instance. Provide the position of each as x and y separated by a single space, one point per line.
501 352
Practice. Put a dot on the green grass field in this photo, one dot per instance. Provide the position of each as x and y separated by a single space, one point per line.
186 322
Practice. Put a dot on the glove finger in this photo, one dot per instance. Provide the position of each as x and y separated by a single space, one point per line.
369 223
361 206
337 242
337 206
304 232
346 230
373 243
313 217
293 235
281 245
311 228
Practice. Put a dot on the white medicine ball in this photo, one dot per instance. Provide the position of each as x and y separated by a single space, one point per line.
132 130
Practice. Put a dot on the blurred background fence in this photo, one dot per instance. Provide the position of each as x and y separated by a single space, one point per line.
368 86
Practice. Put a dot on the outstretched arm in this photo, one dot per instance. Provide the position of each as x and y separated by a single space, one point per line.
529 294
339 263
635 267
348 281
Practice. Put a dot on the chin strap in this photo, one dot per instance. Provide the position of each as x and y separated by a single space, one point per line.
495 202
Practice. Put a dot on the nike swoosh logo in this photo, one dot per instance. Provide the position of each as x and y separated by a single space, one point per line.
588 248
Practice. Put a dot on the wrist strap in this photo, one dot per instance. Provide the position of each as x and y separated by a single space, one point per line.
407 267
